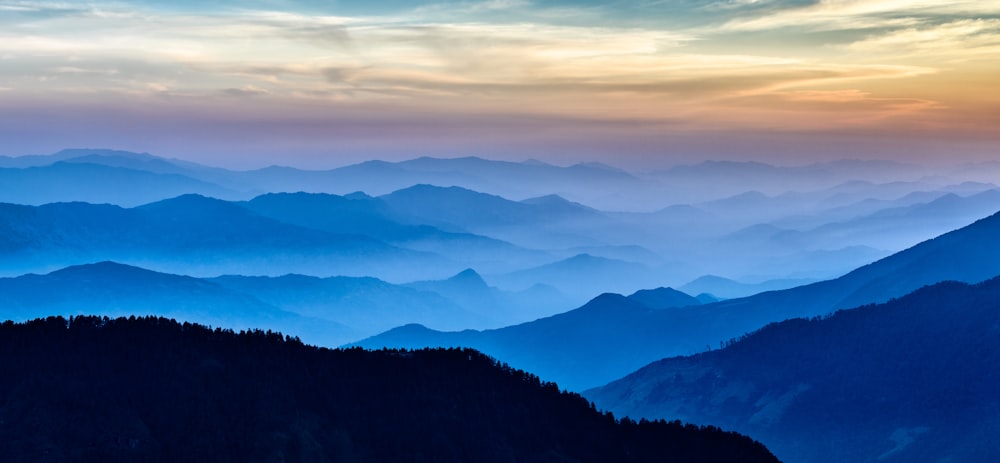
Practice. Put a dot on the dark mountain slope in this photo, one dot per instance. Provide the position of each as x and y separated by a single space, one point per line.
912 380
153 390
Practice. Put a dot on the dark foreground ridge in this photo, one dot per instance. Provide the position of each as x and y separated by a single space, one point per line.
152 389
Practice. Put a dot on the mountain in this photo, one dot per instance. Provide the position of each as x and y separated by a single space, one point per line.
361 214
328 311
663 298
367 305
97 183
456 208
613 335
577 349
470 290
911 380
192 235
545 223
151 389
578 276
728 288
113 289
886 228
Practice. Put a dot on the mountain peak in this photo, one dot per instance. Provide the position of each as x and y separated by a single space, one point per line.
468 277
663 298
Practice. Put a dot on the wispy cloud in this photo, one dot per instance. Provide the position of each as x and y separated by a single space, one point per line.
959 39
860 14
765 64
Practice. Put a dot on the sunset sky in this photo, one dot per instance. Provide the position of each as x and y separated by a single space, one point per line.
324 83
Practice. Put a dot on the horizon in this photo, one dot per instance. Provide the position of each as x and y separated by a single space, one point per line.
631 168
648 84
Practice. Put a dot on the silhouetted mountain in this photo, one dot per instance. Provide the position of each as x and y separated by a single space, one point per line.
578 349
151 390
113 289
663 298
911 380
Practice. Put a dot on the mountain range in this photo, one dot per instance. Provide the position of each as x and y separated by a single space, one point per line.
326 311
910 380
613 335
457 213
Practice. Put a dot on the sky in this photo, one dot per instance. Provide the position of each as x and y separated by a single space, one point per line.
644 82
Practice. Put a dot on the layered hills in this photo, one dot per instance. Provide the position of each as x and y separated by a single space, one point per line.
910 380
613 335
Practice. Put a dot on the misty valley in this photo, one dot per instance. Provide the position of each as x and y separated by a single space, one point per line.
470 309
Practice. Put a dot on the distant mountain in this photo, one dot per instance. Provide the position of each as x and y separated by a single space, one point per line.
192 234
727 288
328 311
113 289
663 298
458 208
613 335
500 217
97 183
360 214
37 160
730 178
911 380
367 305
579 275
471 291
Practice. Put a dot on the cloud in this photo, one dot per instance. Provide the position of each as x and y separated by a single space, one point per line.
860 14
957 39
450 62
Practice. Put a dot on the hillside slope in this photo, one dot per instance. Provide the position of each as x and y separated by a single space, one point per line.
152 390
911 380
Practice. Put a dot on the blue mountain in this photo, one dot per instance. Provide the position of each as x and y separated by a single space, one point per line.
910 380
613 335
192 234
115 290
